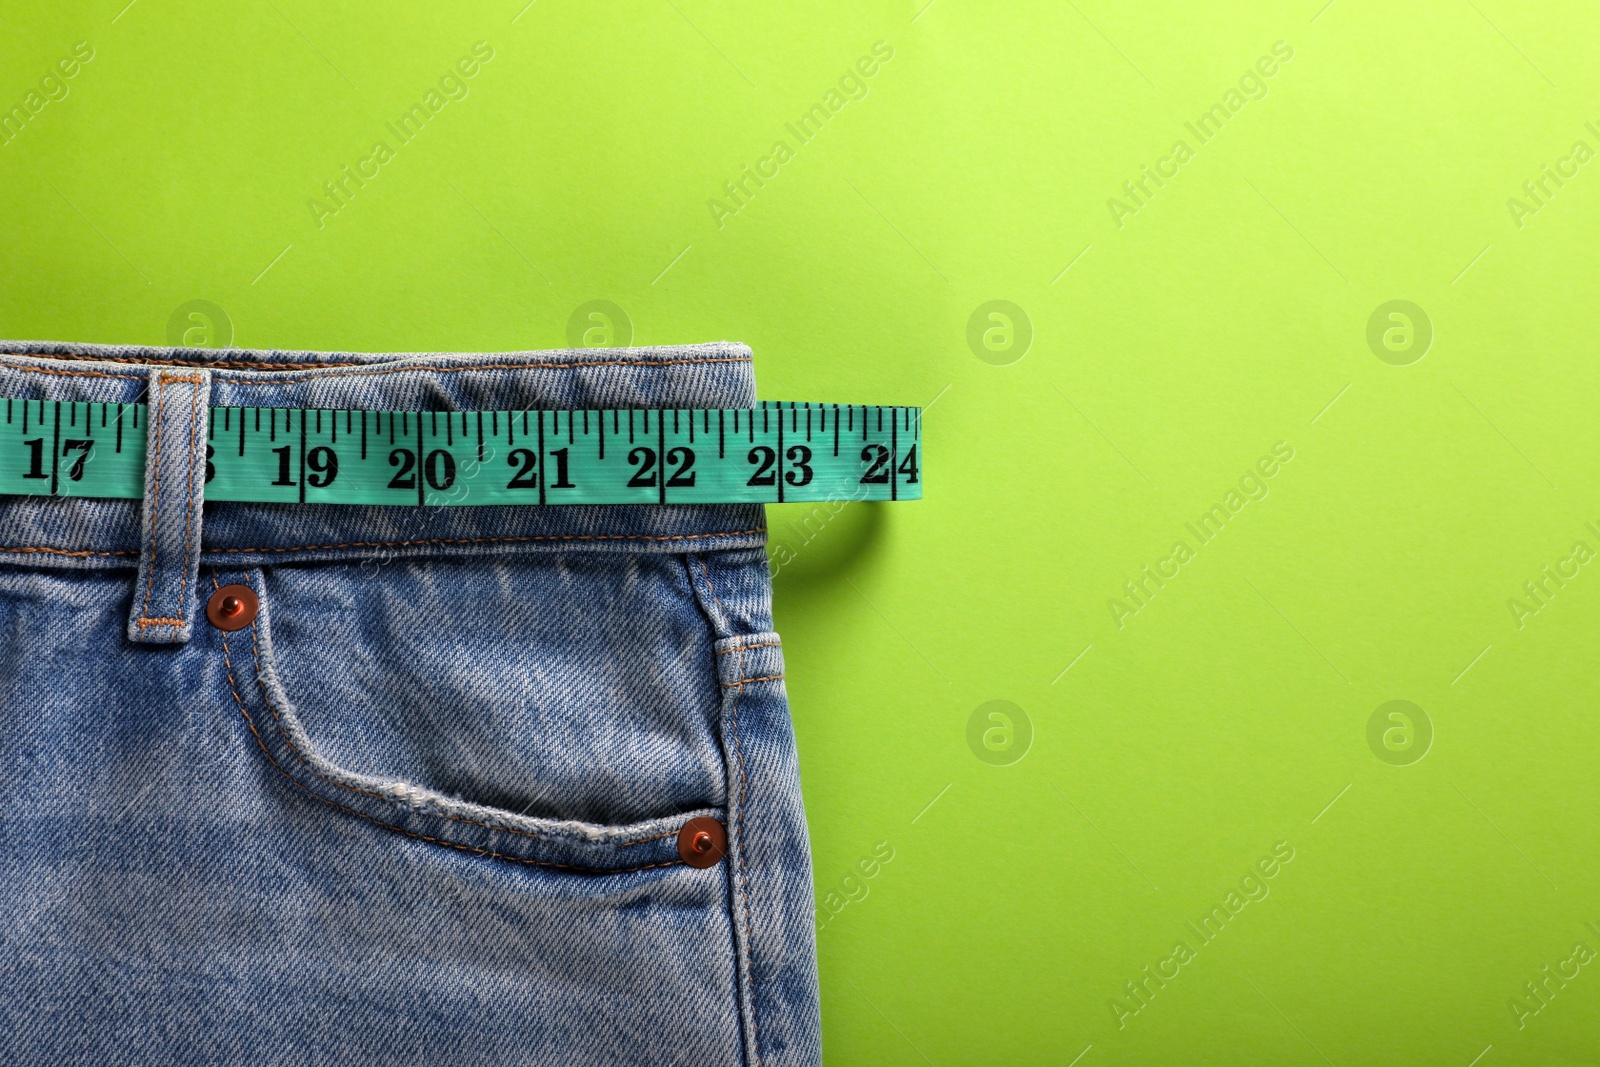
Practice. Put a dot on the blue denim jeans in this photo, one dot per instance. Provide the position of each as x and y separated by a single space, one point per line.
424 809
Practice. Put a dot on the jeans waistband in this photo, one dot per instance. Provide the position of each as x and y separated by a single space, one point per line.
96 533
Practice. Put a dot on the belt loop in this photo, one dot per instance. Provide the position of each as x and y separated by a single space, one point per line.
174 489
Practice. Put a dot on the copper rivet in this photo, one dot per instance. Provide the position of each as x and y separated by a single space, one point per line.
702 842
233 607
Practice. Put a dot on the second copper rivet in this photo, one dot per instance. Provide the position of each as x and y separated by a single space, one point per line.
702 842
233 607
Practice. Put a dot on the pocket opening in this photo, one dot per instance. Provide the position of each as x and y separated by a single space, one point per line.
414 810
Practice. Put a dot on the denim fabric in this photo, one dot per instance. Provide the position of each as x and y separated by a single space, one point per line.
169 565
423 810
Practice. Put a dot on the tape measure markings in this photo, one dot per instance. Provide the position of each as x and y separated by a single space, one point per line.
441 458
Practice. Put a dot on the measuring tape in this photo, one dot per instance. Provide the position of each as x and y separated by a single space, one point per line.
769 454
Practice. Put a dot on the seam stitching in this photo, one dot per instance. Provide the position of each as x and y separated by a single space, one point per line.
744 879
158 622
233 687
362 372
493 366
148 361
68 373
403 544
71 552
722 624
741 648
744 882
742 681
188 521
155 504
479 540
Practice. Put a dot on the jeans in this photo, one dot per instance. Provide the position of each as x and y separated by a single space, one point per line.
425 807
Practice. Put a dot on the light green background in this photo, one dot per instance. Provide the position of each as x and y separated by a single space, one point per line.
1227 314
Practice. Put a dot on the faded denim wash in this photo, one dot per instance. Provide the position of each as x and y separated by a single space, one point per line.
423 810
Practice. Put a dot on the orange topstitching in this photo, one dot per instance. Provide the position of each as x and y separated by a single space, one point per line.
71 552
423 541
155 506
744 886
188 519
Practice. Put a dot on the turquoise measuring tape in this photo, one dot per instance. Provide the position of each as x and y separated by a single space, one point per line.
769 454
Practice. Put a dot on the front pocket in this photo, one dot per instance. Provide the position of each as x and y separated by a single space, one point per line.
557 710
